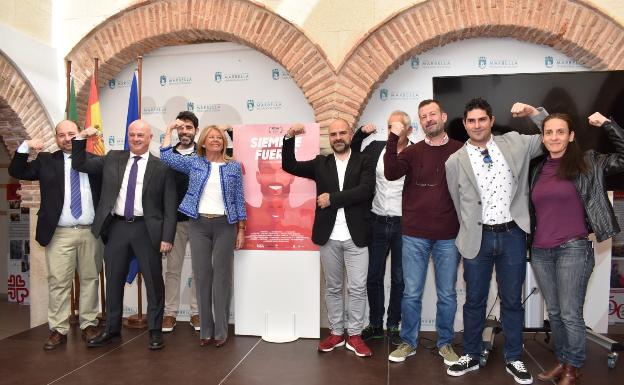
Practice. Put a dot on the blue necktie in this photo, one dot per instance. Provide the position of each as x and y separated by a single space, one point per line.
76 203
132 179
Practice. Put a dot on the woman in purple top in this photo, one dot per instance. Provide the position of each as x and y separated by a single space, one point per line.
568 202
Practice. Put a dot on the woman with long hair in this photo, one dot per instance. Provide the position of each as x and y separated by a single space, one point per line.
215 204
568 202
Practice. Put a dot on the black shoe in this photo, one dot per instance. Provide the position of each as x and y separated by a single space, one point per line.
156 340
394 335
372 332
519 372
464 365
103 339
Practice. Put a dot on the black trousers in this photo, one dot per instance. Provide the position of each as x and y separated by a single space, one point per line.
124 241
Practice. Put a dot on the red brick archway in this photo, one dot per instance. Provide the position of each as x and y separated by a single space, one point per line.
572 27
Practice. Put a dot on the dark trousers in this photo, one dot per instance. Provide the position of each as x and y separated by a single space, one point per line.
387 237
124 241
507 252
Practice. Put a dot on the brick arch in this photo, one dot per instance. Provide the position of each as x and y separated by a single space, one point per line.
574 28
570 26
149 25
22 116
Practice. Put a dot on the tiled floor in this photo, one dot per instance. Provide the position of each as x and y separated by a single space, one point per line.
14 318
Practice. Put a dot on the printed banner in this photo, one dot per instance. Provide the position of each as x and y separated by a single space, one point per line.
280 206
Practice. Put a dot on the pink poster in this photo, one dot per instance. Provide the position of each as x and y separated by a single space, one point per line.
280 206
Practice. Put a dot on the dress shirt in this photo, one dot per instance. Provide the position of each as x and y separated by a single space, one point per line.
388 194
120 204
341 231
495 183
211 200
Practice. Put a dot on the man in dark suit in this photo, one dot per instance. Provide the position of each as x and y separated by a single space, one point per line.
345 182
386 233
136 216
64 221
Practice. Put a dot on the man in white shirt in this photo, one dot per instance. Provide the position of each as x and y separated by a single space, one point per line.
63 228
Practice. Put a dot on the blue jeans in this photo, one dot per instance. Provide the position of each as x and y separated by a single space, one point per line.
507 251
445 256
386 237
562 274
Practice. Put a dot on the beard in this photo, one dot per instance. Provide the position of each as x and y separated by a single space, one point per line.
434 130
340 146
186 140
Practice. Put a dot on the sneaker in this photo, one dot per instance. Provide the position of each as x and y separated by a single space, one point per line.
401 353
449 355
195 322
357 345
372 332
331 342
519 372
464 365
394 335
168 324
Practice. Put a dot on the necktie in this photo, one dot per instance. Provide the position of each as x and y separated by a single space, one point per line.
132 178
76 203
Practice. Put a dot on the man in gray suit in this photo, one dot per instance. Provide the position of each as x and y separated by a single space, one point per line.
136 216
487 179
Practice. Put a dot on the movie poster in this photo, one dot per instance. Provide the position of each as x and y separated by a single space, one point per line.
280 206
18 280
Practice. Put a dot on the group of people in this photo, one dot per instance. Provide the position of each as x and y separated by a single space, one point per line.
439 198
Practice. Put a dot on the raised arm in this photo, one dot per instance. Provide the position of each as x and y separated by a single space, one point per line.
20 167
93 165
178 162
395 165
611 163
304 169
537 115
361 134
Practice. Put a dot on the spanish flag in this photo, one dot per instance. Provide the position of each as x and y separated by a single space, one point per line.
95 144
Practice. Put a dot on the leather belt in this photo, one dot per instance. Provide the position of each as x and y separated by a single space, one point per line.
122 218
500 227
386 219
76 227
211 216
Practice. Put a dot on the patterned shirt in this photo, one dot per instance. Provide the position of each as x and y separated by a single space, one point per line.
495 182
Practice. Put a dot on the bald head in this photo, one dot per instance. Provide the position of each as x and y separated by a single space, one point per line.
66 130
139 136
340 135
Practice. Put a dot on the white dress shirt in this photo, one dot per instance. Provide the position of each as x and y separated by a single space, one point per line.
86 199
211 200
495 183
120 204
341 231
388 193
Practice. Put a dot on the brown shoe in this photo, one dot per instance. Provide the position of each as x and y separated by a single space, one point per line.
195 322
219 343
205 341
570 375
89 333
54 340
169 323
551 374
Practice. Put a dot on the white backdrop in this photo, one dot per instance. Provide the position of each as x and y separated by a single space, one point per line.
230 83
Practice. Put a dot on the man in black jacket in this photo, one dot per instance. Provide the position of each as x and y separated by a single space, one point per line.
64 221
386 233
345 182
136 215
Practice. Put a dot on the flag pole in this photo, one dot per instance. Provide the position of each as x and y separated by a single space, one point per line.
74 292
139 320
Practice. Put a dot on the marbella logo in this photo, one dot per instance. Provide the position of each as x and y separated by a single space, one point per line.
115 83
416 63
277 73
552 62
202 107
385 94
111 140
154 110
175 80
497 63
264 105
231 76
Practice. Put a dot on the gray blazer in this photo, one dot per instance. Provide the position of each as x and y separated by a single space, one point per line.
518 151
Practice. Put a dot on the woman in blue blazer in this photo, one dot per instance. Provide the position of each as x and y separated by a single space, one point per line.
215 204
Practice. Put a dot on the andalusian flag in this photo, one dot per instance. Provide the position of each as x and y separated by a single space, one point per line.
95 144
72 114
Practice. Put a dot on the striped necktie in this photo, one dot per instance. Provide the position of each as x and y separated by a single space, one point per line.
76 202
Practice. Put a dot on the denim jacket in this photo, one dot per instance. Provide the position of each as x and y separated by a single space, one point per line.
198 170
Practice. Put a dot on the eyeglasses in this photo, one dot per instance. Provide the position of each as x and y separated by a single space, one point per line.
487 159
